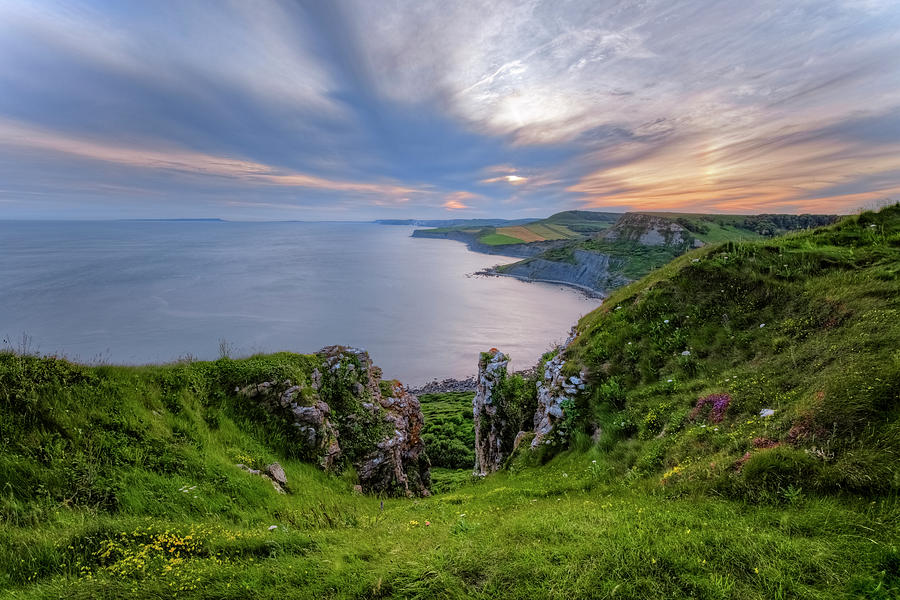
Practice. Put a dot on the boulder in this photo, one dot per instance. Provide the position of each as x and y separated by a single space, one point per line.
276 472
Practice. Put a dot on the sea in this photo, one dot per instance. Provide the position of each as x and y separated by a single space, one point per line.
137 292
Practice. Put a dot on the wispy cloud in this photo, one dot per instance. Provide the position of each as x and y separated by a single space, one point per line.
17 135
457 200
686 104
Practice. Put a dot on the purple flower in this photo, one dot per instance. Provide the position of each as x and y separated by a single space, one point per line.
717 405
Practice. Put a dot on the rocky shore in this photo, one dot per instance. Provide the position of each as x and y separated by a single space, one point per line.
446 386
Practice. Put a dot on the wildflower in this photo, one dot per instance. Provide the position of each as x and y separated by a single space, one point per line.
766 412
666 321
761 325
427 523
594 462
273 527
756 570
718 403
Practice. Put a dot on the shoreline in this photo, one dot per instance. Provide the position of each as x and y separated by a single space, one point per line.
586 290
520 251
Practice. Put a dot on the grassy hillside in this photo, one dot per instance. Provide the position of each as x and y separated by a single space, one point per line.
808 326
119 482
449 436
638 243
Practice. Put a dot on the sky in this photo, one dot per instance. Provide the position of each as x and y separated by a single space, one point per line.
356 110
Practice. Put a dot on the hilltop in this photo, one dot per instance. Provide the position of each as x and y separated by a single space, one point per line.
725 427
599 252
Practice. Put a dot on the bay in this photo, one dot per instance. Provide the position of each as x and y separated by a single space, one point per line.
151 292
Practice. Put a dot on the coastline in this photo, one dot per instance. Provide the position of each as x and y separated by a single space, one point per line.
587 290
520 251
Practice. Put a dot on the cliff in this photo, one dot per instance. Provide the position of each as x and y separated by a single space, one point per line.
590 271
746 368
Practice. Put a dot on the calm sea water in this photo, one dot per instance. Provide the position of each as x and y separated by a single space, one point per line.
141 292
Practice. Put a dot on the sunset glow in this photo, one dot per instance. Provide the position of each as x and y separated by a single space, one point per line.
368 110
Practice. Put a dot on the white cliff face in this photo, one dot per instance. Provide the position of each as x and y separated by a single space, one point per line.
553 390
488 452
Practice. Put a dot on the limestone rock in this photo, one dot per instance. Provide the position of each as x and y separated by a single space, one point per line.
275 484
313 422
399 462
552 392
396 464
489 454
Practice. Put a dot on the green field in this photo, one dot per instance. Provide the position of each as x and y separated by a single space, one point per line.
497 239
449 436
664 480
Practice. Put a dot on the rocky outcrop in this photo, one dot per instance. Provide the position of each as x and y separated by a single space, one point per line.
497 422
554 391
489 453
650 230
399 462
341 415
300 406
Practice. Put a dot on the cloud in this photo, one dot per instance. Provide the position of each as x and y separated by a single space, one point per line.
24 136
824 168
258 50
456 200
694 104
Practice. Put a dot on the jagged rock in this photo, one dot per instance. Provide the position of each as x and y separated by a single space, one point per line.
312 422
399 461
552 392
396 464
488 443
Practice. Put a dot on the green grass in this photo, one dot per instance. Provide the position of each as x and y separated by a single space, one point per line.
95 461
566 530
807 325
449 433
498 239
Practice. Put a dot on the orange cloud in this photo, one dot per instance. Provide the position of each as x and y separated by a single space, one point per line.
795 171
21 135
456 200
